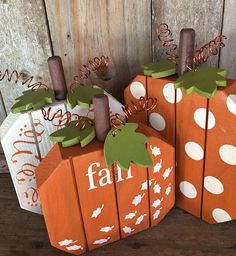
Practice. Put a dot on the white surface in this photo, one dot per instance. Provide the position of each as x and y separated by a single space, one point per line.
137 89
228 154
200 118
188 189
194 150
157 121
220 215
213 185
169 93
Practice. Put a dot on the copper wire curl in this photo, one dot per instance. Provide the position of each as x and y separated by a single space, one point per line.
205 52
21 76
165 37
144 105
95 65
64 117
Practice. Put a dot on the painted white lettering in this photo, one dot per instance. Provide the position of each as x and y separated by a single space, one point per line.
90 175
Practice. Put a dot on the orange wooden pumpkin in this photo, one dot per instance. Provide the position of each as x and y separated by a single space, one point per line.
205 169
87 205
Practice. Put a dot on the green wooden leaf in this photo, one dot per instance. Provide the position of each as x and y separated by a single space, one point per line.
33 99
126 146
71 135
159 69
82 96
203 81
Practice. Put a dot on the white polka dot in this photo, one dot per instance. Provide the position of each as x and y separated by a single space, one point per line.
188 189
194 150
200 118
220 215
169 93
137 89
157 121
231 103
213 185
228 154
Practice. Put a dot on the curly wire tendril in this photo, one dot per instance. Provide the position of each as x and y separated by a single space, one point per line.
95 65
205 52
64 118
165 36
144 105
20 76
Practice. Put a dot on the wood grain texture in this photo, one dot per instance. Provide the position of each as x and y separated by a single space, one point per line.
203 16
24 44
84 29
228 55
24 234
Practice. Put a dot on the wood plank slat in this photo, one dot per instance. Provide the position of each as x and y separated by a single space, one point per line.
204 16
24 44
227 58
190 145
84 29
219 194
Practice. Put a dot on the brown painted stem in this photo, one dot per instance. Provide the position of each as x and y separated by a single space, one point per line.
101 116
186 49
57 76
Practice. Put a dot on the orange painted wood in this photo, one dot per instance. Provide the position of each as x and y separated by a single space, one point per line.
133 202
161 176
132 93
219 197
189 170
96 210
47 167
185 116
162 117
97 197
60 205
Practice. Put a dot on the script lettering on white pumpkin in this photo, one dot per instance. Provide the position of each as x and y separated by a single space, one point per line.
104 175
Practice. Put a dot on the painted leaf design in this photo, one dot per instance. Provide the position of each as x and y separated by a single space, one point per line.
126 146
127 230
71 134
203 81
33 99
137 199
97 212
140 219
159 69
82 95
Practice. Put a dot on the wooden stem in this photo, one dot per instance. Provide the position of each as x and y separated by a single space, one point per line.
186 49
57 76
101 116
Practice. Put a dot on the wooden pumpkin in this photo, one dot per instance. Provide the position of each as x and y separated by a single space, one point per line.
25 141
205 157
87 205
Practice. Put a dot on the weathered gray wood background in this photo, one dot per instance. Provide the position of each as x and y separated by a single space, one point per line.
32 30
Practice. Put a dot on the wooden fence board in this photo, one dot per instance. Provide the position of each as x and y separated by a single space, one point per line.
84 29
228 54
204 16
24 44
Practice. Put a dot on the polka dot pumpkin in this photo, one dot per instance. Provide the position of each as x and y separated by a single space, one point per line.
203 133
